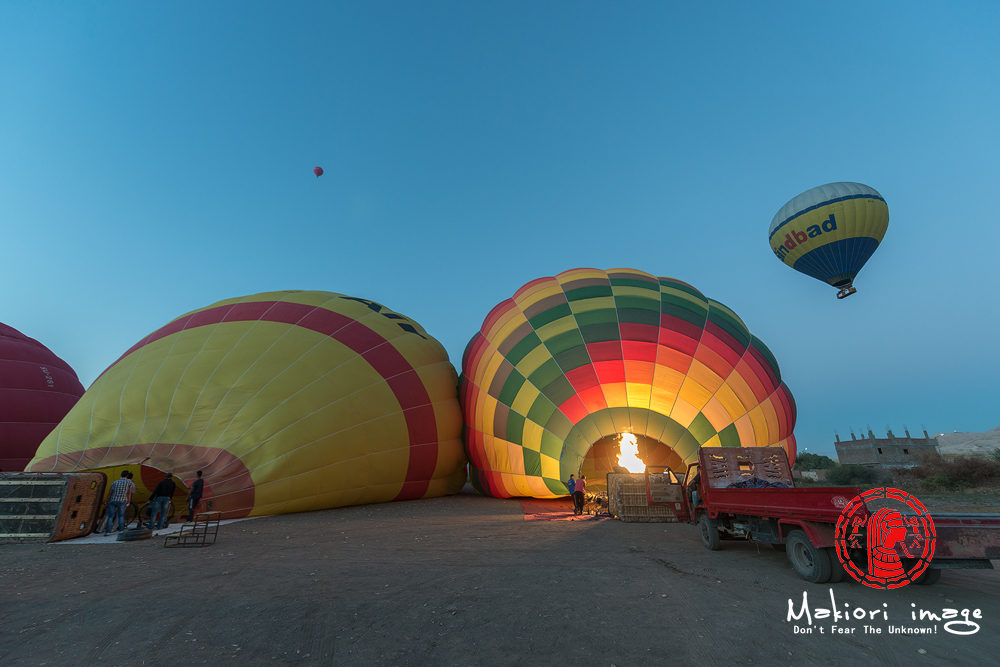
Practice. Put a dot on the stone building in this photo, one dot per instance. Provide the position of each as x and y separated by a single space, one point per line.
888 452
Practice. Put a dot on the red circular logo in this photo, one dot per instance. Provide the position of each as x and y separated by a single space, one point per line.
885 538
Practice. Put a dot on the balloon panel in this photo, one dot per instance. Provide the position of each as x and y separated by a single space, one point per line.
37 389
289 401
573 359
831 231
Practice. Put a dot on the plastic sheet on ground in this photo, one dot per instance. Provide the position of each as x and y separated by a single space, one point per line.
100 538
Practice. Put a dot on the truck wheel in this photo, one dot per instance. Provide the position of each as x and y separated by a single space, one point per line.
811 563
929 577
837 570
709 533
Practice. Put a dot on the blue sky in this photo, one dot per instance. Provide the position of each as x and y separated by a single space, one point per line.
157 157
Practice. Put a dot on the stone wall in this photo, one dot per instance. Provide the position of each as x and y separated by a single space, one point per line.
888 452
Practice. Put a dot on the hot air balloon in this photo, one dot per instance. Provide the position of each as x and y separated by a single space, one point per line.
318 171
829 232
559 373
288 401
37 389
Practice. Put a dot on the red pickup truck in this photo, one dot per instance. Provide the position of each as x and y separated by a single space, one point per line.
748 493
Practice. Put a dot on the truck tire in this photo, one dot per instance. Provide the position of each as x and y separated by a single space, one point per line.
811 563
709 533
929 577
837 571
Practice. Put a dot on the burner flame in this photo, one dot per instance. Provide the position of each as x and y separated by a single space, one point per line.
629 456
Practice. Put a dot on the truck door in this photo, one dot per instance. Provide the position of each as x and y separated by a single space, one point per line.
691 492
663 488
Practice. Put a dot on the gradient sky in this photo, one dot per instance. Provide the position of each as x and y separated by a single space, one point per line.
157 157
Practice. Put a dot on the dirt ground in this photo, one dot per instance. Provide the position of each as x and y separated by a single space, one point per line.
987 502
462 580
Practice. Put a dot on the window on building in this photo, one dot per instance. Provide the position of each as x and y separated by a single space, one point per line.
906 451
879 450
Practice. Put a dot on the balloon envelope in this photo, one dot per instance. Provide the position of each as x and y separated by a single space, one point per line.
318 171
288 401
37 389
829 232
559 371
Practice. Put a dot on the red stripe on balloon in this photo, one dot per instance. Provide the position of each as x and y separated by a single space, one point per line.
643 332
385 359
593 398
609 372
574 409
498 311
528 286
639 350
474 351
606 351
746 371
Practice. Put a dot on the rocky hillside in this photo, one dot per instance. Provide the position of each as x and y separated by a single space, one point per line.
969 443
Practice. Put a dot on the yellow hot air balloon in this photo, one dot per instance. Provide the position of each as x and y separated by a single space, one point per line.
288 401
829 232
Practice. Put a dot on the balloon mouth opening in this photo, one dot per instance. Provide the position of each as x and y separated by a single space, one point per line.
603 457
842 283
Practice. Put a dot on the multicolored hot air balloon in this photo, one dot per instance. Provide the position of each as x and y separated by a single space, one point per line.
829 232
288 401
558 373
318 171
37 389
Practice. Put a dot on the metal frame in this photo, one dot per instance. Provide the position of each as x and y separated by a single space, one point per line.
196 533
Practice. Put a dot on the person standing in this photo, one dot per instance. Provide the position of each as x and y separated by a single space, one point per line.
194 497
160 499
118 499
580 488
571 485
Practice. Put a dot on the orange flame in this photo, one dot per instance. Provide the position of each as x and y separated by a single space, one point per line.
629 456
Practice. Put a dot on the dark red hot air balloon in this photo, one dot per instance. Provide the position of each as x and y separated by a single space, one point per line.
318 171
37 389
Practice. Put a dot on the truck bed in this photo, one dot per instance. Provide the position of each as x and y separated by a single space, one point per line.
822 504
966 536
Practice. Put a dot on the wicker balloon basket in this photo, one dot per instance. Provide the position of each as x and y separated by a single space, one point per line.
627 499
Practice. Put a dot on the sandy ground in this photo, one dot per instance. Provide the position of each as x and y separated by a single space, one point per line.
462 580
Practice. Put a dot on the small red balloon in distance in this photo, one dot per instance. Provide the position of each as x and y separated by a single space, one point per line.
318 171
